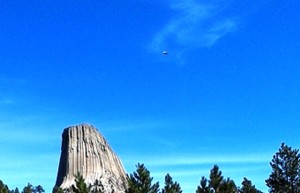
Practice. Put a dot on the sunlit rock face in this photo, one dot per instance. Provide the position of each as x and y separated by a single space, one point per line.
85 150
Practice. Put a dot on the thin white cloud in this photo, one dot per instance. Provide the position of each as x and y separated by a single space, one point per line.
196 25
204 169
185 160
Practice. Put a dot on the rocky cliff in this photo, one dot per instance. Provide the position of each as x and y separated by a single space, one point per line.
85 150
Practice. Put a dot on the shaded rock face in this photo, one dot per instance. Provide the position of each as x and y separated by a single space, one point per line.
85 150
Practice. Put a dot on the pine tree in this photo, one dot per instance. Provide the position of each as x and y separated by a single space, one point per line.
57 189
215 178
285 176
203 188
38 189
247 187
16 190
227 186
3 187
170 186
81 186
141 181
28 189
216 183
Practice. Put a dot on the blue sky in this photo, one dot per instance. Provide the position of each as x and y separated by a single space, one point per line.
227 93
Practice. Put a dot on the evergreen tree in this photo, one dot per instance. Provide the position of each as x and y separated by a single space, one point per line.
81 186
215 178
3 187
16 190
216 183
170 186
57 189
247 187
141 181
203 188
227 186
38 189
285 176
28 189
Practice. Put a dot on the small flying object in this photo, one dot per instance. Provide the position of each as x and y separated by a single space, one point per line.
164 52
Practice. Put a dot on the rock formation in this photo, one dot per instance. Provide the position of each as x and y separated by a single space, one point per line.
85 150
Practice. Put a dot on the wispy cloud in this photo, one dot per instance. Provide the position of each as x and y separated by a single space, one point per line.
186 160
204 169
196 24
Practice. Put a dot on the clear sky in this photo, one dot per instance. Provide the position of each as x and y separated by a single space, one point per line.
227 93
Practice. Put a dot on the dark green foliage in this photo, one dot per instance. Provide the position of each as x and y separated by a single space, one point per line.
227 186
285 176
170 186
28 189
81 186
3 188
203 188
247 187
216 183
57 189
141 181
31 189
215 178
38 189
15 190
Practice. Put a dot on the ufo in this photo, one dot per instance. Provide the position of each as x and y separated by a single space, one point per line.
164 52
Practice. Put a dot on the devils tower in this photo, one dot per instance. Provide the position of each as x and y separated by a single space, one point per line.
85 150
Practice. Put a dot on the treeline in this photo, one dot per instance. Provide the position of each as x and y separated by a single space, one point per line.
27 189
284 178
141 182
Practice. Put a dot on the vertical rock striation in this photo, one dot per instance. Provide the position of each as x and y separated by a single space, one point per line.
85 150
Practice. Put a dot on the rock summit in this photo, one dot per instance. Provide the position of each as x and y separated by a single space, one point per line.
85 150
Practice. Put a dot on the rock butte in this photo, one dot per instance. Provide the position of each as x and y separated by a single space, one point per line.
85 150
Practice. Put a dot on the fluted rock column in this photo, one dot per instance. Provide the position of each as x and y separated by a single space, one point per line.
86 151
